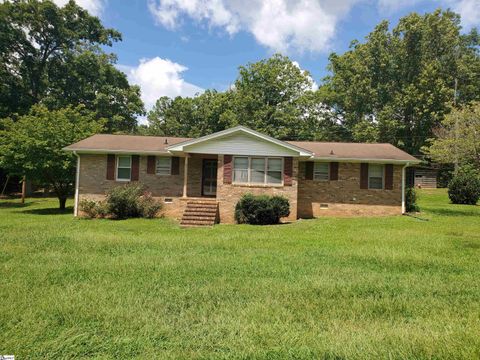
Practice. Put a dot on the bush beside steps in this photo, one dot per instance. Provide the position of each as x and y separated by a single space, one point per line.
261 210
123 202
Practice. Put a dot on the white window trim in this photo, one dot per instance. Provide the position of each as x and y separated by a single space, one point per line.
383 176
117 162
328 171
162 157
249 170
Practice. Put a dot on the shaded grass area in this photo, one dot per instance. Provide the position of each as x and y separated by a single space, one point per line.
331 288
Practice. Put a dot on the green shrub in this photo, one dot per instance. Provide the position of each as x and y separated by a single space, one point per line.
411 200
464 188
130 201
261 210
93 209
88 207
148 206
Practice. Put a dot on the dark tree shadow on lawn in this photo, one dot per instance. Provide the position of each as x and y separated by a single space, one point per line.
14 205
49 211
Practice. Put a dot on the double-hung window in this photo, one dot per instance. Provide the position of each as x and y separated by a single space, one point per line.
321 171
274 171
240 169
257 170
376 176
163 165
124 168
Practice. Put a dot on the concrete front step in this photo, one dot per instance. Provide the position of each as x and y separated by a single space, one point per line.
199 213
197 222
202 208
202 202
198 217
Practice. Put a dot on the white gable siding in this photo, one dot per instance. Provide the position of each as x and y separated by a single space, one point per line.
239 144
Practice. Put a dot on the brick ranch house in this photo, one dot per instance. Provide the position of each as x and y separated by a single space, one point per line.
195 177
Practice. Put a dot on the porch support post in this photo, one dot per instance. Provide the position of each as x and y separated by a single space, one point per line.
185 176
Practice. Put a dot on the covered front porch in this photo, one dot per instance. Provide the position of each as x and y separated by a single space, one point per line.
199 176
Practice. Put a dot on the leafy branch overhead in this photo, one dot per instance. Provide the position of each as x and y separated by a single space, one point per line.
53 55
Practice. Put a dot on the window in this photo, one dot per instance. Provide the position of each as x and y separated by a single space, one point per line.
163 165
274 171
124 168
257 170
257 174
375 176
240 169
320 171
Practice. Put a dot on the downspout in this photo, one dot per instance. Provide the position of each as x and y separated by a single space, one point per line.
77 180
403 187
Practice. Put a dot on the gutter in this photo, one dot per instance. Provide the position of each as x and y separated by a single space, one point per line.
77 180
403 188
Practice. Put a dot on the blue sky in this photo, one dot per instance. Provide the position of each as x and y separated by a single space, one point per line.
180 47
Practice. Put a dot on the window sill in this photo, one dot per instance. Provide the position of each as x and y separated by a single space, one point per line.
257 185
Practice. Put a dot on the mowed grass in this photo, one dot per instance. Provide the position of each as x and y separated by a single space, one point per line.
331 288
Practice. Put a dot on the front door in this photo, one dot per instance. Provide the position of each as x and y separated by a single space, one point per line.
209 177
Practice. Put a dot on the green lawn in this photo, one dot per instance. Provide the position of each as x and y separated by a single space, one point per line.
332 288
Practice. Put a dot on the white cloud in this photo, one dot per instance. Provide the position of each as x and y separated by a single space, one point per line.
469 10
159 77
281 25
287 25
94 7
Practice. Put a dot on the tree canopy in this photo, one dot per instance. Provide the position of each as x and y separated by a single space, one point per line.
273 96
31 145
53 55
398 85
458 138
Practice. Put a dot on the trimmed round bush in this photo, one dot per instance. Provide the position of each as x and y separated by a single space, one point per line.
261 210
464 188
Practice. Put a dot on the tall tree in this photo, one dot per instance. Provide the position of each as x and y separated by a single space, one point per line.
191 117
398 85
273 96
53 56
31 145
269 96
458 138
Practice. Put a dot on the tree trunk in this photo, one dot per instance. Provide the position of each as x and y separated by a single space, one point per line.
62 201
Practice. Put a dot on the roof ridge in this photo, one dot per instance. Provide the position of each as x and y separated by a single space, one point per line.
338 142
150 136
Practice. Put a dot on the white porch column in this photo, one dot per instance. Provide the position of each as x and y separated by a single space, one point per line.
185 176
